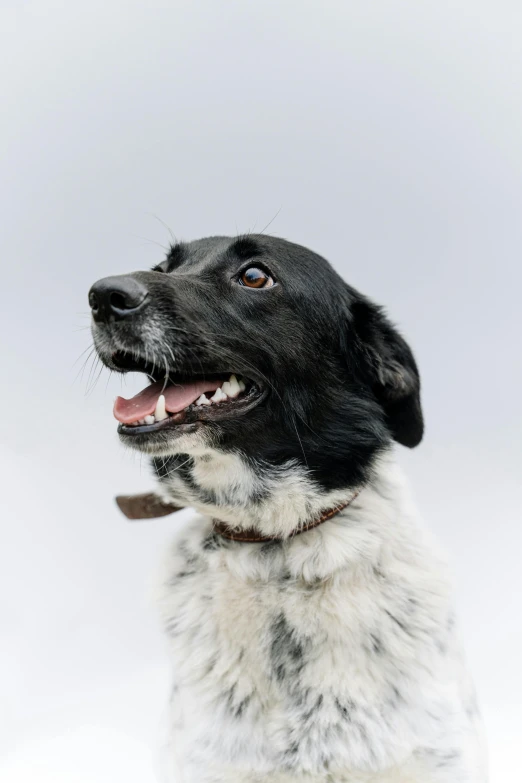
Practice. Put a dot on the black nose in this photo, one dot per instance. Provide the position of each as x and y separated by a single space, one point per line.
116 297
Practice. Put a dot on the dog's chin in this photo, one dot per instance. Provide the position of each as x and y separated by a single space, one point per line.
194 438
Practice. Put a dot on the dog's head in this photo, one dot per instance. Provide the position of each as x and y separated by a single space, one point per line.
255 345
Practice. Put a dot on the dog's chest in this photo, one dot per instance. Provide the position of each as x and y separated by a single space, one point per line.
297 675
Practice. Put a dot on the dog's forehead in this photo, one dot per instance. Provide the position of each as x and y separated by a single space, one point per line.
208 251
212 253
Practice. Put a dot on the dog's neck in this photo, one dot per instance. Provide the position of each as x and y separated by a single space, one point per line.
273 500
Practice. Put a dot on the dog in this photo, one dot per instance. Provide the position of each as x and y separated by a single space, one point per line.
308 613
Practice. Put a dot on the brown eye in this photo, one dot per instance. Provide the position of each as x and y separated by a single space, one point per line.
253 277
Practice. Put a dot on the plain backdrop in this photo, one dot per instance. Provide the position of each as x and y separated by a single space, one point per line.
384 135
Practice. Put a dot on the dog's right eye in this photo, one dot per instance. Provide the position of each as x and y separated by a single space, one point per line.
254 277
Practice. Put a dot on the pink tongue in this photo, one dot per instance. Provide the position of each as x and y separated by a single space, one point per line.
176 399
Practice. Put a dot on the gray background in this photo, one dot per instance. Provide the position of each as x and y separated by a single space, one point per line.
386 136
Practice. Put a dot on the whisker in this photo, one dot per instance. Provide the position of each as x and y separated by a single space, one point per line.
271 221
151 242
93 378
81 371
91 347
174 470
165 225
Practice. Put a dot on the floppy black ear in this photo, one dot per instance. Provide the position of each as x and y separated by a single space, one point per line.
392 370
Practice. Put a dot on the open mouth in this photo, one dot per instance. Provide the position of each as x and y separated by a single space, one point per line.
181 400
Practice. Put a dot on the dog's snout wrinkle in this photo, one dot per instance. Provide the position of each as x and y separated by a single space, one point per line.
114 298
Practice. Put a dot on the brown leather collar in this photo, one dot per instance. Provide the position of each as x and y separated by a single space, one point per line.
252 536
151 506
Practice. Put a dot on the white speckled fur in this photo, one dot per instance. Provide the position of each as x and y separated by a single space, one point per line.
330 658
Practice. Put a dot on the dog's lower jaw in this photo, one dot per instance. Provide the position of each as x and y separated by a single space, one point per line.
328 657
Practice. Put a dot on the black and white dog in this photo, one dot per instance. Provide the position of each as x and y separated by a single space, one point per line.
308 612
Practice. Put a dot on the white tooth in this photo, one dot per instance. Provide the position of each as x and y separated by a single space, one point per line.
160 413
141 421
227 388
233 387
149 419
219 396
242 386
203 400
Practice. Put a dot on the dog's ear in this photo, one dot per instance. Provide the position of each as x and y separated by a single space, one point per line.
390 369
